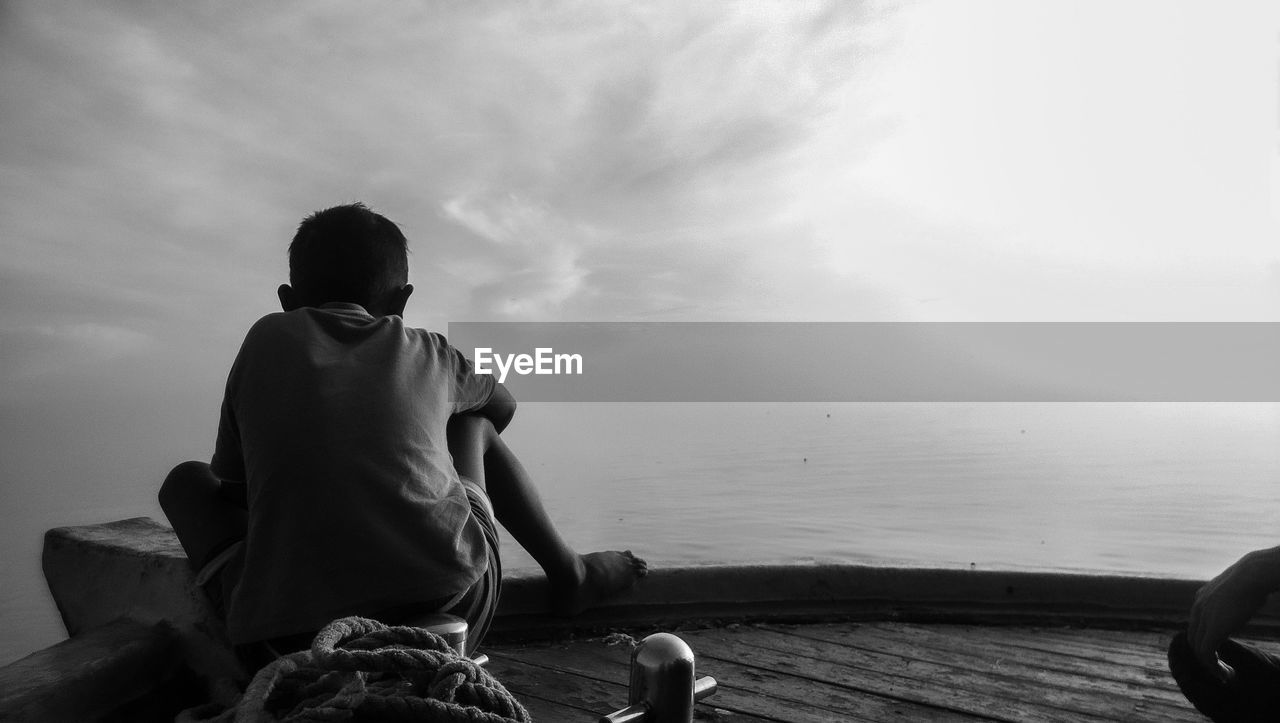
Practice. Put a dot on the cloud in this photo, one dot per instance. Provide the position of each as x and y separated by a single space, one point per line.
45 351
531 264
682 145
101 340
600 159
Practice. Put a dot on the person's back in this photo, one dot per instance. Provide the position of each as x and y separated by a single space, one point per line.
354 502
358 467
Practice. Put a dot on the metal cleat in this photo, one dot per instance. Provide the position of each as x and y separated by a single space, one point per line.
663 688
450 627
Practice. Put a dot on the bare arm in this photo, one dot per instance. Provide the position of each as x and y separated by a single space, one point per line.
500 408
1228 601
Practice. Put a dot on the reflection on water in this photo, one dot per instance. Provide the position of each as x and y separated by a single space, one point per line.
1165 489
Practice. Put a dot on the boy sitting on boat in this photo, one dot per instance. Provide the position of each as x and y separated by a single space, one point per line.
358 468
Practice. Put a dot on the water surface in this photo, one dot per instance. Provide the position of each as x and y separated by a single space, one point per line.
1155 489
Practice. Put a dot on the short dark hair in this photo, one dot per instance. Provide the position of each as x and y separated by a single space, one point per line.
348 253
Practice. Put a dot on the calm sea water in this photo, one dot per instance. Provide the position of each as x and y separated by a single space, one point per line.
1160 489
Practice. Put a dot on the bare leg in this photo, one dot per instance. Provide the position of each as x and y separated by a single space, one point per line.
205 520
577 581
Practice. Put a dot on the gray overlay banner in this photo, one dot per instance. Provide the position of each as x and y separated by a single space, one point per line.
878 362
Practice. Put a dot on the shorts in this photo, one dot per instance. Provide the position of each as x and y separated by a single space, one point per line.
477 604
480 602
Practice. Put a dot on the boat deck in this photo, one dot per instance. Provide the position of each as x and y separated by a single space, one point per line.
128 598
880 671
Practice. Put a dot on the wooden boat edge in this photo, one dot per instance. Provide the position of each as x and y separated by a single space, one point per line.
134 570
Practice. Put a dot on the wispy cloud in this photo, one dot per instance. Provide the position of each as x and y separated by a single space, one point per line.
613 135
44 351
529 265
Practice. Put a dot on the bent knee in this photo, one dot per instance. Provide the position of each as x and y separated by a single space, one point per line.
182 479
469 427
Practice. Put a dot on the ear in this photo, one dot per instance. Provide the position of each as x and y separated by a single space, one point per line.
398 299
288 298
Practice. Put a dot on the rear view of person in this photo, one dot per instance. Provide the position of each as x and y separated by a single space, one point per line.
358 468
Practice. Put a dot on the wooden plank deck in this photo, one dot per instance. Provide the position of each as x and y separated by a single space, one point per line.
881 671
870 671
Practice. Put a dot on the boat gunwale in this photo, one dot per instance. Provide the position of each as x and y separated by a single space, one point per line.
681 596
688 593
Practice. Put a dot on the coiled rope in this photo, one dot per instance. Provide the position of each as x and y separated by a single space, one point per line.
362 670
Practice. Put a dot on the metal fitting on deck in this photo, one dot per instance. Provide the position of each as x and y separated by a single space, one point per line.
450 627
663 688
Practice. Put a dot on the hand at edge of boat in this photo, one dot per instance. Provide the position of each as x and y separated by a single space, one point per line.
1227 602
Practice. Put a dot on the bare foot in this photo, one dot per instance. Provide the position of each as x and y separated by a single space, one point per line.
598 577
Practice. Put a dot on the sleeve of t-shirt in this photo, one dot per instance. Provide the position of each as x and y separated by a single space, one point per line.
470 390
228 455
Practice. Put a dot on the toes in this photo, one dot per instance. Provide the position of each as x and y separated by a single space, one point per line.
638 566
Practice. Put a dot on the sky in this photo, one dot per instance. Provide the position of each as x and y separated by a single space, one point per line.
599 161
565 161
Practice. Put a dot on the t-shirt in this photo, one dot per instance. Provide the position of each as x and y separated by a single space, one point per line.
336 421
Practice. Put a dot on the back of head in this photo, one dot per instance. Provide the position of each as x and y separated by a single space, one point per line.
347 253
